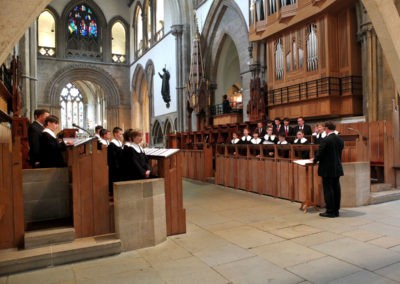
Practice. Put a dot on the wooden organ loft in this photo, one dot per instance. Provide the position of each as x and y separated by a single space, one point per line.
312 56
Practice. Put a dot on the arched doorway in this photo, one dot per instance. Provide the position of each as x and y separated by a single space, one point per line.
140 112
100 95
228 72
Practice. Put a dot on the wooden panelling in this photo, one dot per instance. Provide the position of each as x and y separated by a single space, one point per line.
89 178
170 169
12 226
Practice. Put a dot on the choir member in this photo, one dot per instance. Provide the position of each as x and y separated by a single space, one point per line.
260 129
35 130
282 141
287 128
114 157
319 134
301 140
235 138
97 130
246 138
135 162
51 148
302 126
278 128
270 138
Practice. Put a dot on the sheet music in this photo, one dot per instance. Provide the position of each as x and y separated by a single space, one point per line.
160 152
303 162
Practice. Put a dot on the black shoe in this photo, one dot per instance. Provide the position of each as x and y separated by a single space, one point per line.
329 215
336 214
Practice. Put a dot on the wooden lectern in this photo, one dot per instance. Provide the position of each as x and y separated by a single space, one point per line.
310 198
167 163
89 178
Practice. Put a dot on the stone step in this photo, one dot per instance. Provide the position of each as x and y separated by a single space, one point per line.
377 187
47 237
384 196
14 261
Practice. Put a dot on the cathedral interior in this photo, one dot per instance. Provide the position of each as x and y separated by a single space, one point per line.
163 67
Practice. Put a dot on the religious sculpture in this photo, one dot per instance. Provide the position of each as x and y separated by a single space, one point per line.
165 86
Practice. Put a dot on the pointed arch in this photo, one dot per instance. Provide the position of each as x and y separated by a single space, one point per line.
218 24
140 107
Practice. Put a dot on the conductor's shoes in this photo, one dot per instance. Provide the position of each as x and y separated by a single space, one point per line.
328 215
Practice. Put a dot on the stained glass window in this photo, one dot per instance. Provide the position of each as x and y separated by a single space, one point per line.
82 22
71 101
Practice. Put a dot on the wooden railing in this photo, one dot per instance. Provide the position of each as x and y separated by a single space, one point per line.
268 170
328 86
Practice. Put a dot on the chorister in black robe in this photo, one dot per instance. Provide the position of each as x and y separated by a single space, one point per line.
114 158
134 161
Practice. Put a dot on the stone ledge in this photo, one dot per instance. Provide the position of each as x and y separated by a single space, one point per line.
14 261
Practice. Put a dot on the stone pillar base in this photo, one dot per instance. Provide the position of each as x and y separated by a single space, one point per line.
139 208
355 184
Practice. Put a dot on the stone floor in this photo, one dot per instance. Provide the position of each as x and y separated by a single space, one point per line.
239 237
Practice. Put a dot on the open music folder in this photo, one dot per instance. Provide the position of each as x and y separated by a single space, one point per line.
303 162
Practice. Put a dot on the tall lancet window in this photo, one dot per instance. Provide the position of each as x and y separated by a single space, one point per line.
312 48
46 34
71 101
139 32
279 60
260 10
159 19
272 7
118 43
149 25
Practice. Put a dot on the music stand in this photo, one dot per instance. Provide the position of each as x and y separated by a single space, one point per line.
309 202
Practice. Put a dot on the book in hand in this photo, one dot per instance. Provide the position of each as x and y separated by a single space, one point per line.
303 162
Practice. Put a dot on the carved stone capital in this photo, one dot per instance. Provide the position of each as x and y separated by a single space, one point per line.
177 30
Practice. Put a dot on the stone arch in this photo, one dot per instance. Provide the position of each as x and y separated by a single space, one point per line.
84 72
157 134
168 127
140 106
217 27
219 24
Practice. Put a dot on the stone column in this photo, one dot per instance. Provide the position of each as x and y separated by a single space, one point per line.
28 55
369 52
177 31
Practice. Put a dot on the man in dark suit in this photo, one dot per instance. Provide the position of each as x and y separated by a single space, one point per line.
278 128
35 129
302 126
260 129
288 129
330 168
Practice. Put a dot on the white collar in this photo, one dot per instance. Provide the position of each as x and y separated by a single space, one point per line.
282 142
266 137
246 138
117 143
48 130
235 141
135 146
256 141
103 141
302 140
